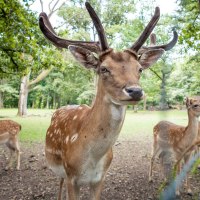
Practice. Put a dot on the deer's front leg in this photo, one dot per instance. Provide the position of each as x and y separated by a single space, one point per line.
9 164
18 153
60 189
73 189
96 189
187 181
178 172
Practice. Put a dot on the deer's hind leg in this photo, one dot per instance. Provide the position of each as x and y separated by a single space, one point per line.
13 146
155 151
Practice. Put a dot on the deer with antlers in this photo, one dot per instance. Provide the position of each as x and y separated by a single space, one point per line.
9 132
80 138
171 140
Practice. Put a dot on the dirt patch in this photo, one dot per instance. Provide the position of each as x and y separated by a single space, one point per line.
127 178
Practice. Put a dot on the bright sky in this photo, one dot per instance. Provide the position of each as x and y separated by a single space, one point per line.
166 7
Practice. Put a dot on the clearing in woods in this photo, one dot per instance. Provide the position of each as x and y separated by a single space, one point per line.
127 178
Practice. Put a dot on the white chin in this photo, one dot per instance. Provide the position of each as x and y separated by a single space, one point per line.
117 102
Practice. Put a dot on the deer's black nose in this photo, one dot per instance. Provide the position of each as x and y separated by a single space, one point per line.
135 93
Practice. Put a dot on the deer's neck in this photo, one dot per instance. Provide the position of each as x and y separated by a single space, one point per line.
192 128
106 119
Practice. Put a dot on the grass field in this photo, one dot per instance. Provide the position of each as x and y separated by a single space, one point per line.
34 126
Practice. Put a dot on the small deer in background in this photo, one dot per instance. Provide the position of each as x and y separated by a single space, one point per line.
9 132
171 140
80 138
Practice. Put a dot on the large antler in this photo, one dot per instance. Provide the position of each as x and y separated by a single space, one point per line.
147 31
98 26
50 34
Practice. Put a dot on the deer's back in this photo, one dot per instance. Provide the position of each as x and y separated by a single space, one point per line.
9 126
169 133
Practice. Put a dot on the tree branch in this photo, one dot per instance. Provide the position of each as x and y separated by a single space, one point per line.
40 77
53 10
156 73
41 3
12 50
13 61
54 5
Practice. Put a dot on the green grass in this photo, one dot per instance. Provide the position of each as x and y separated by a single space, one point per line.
35 125
144 121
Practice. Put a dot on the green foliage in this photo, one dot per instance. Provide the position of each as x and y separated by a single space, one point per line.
185 80
63 86
189 24
115 20
18 36
22 45
24 49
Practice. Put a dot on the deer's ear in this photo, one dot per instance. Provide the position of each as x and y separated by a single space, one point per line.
188 102
84 56
149 57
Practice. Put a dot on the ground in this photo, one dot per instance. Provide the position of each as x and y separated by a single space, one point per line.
127 178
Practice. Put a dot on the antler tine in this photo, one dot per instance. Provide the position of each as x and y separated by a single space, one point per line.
152 39
47 22
98 26
169 45
50 34
147 31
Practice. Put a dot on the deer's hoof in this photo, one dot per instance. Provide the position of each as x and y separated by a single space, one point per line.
189 192
150 180
178 194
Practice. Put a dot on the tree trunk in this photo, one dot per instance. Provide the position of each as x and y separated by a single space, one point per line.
163 94
135 108
47 103
54 100
145 103
24 90
1 95
23 96
1 100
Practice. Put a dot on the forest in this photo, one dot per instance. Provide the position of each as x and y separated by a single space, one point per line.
104 151
35 74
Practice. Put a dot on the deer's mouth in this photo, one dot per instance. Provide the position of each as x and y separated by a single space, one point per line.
131 101
135 98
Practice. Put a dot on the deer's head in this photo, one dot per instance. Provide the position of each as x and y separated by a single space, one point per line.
119 72
193 105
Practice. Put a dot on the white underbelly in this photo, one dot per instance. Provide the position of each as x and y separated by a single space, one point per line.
58 170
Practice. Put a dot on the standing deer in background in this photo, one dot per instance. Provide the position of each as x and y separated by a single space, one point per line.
80 138
9 132
172 140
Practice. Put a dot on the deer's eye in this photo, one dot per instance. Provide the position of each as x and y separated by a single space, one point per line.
140 70
104 70
195 106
